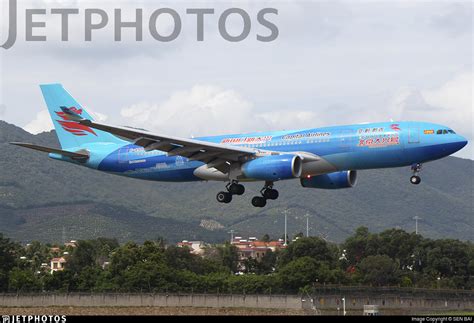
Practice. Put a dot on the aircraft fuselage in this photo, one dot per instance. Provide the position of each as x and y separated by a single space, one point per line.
338 148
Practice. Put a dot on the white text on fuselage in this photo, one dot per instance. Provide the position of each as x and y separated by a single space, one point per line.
246 140
306 135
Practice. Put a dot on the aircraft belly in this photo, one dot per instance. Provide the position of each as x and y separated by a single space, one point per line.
318 167
173 175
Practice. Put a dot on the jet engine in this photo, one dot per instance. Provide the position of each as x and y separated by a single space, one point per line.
336 180
273 168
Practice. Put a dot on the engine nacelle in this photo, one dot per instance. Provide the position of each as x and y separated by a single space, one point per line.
273 168
330 181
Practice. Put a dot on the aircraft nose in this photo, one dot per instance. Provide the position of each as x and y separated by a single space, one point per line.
460 142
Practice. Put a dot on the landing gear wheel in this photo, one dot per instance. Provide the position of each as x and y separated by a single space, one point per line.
236 189
270 194
259 201
224 197
415 179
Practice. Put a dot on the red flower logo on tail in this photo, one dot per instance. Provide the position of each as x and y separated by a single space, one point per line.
73 127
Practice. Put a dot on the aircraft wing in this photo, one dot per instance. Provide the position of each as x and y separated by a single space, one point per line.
213 154
78 155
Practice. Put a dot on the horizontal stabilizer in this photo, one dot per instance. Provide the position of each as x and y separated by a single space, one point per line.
78 155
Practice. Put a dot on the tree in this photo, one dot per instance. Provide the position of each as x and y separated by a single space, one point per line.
267 264
299 235
7 260
299 273
83 256
125 257
228 256
399 245
266 238
251 284
89 278
37 253
313 247
62 281
250 265
379 270
181 258
149 277
23 280
360 245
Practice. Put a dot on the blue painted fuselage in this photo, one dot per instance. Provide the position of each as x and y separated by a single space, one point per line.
351 147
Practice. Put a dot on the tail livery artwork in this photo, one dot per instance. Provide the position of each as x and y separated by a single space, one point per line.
324 158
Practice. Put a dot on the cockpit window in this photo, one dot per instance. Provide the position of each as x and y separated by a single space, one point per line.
444 131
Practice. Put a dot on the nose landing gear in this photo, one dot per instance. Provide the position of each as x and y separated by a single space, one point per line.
415 179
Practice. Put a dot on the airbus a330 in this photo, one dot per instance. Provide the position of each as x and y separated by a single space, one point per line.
324 158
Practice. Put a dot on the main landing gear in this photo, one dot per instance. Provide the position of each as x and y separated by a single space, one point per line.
268 193
233 188
415 179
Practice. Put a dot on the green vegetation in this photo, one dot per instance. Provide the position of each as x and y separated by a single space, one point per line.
390 258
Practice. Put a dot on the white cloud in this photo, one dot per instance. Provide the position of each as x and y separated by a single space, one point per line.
202 110
336 63
209 110
456 97
450 104
97 116
41 123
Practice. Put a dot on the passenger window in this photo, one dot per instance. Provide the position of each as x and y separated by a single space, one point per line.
439 132
445 131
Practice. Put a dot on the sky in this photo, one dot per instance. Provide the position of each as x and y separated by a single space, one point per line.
333 63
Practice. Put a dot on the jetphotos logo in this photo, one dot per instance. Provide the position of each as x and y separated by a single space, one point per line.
145 22
73 127
33 319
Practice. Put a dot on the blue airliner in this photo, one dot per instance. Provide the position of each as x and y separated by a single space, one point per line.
325 158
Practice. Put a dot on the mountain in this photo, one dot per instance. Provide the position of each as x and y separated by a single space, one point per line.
45 199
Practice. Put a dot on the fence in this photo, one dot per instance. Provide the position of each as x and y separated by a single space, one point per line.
408 300
326 300
161 300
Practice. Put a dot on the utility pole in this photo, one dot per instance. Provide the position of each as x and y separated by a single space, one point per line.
307 225
231 235
416 218
64 235
286 214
